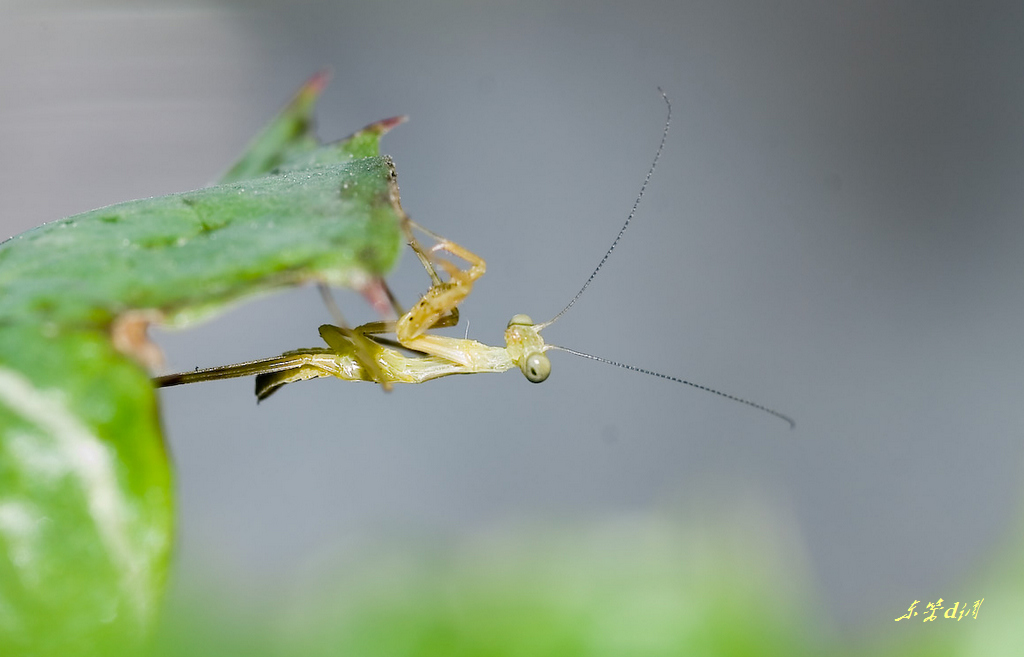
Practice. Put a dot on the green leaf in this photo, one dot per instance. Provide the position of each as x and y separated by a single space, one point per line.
288 143
289 133
85 508
86 505
183 255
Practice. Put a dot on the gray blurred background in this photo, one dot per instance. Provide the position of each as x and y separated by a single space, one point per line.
834 230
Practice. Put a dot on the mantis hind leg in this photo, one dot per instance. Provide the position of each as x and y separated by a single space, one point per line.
357 357
364 350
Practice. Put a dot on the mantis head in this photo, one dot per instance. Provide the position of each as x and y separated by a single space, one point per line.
526 348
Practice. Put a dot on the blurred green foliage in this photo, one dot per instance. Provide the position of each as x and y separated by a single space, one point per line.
642 586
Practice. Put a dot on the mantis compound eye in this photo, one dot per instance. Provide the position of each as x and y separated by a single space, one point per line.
521 320
536 367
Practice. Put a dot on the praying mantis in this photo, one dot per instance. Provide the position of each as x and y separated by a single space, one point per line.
363 354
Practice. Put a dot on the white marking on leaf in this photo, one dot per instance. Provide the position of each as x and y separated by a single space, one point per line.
81 454
34 456
19 526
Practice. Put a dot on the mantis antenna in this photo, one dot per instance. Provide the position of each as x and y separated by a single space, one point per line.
362 354
629 218
781 416
604 259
